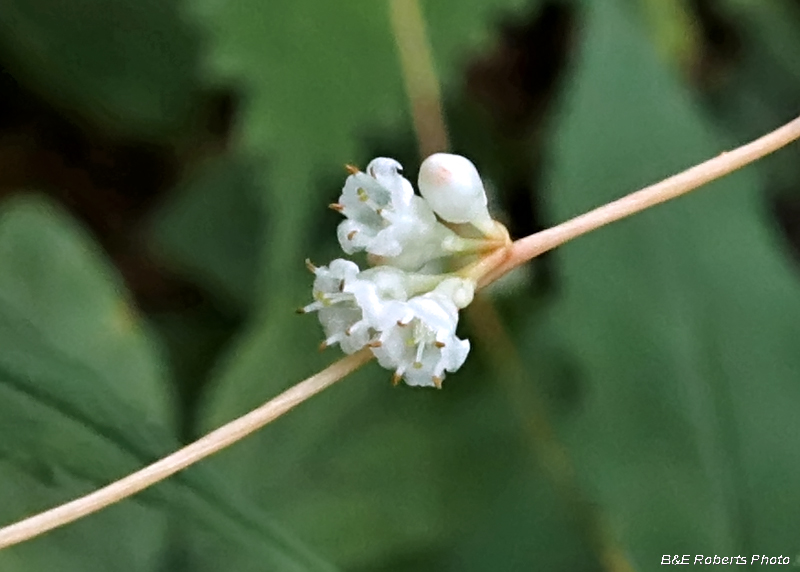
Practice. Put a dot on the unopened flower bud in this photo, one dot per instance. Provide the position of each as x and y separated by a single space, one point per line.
453 188
460 290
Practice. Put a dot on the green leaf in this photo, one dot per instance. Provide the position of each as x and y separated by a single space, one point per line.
212 228
762 87
71 339
365 472
318 75
125 537
130 65
769 25
683 320
674 31
72 362
459 30
528 528
84 401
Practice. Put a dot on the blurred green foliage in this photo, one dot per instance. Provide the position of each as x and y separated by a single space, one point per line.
662 354
132 67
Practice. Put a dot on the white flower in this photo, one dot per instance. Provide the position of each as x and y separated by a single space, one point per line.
417 338
376 291
350 302
370 201
386 218
339 314
423 238
402 309
454 190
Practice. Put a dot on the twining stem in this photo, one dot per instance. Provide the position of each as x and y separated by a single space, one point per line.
182 458
498 264
422 89
725 163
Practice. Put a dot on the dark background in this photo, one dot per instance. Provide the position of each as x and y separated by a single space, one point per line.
165 168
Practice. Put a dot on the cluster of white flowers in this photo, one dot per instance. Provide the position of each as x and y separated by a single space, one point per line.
405 315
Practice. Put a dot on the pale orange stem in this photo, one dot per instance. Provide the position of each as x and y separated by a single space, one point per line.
488 270
725 163
182 458
419 75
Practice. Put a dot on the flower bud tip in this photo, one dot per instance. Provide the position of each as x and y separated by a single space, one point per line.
336 206
453 188
437 382
352 169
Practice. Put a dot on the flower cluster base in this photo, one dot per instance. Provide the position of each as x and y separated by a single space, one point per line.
407 317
